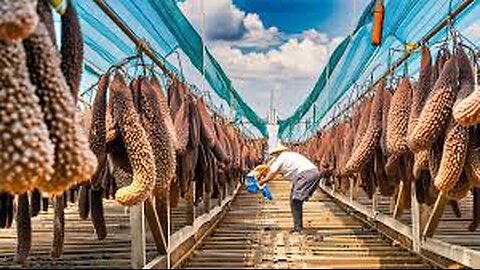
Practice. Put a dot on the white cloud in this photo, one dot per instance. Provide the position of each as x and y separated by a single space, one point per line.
316 36
226 22
258 59
257 35
292 69
223 20
473 31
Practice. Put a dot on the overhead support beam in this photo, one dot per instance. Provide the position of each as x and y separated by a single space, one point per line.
131 35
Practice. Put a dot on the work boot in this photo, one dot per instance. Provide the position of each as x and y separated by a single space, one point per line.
297 214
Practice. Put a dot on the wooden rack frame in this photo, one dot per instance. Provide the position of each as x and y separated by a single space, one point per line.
420 241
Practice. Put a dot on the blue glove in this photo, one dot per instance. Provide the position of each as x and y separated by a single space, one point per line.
266 193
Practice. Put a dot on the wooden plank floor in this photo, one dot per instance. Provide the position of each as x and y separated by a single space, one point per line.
82 249
255 234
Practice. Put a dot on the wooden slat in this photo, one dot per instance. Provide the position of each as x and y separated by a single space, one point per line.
163 215
155 227
435 216
403 199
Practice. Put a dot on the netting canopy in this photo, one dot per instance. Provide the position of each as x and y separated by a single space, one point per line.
165 29
356 63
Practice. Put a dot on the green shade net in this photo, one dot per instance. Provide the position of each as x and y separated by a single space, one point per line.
304 107
164 27
355 62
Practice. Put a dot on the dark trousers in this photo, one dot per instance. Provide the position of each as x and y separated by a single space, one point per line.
303 188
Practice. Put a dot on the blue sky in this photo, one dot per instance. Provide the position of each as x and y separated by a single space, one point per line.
279 45
292 16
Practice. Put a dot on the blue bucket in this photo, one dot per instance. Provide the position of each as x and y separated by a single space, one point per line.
252 187
251 183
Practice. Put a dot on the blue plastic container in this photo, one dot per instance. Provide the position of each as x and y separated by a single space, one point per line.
252 187
251 183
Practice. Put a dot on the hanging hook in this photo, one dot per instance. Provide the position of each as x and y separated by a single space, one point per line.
136 66
144 67
405 70
180 65
151 69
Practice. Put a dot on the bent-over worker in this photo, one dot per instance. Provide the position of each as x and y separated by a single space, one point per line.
304 175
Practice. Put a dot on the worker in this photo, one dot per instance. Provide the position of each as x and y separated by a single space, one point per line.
303 174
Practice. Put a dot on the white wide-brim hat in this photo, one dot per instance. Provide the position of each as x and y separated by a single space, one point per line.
278 149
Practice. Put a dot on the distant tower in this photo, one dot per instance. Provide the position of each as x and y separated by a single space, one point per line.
272 115
272 120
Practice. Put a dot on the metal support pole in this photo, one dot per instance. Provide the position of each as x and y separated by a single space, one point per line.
202 10
131 35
